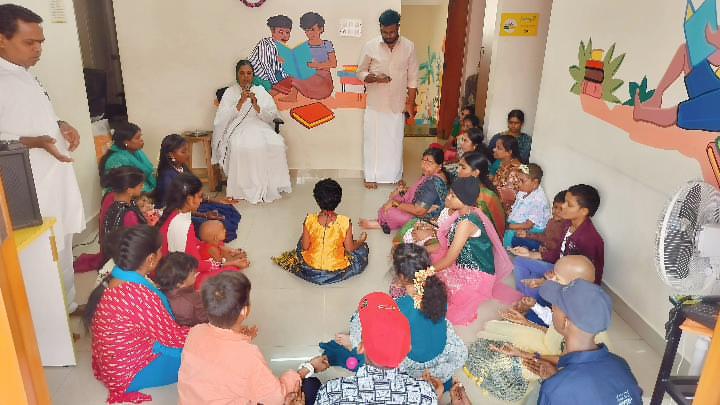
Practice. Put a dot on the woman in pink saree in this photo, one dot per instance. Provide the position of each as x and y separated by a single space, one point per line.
424 200
471 260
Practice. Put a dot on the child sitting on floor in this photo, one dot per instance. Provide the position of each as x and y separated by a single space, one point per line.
220 363
212 247
552 235
147 206
530 211
580 238
175 276
326 252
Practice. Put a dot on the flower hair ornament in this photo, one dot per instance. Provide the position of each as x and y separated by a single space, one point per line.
419 283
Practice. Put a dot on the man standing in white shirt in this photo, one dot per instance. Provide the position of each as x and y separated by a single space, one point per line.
26 115
389 68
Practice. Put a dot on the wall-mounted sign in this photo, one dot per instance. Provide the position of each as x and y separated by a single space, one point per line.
57 11
519 24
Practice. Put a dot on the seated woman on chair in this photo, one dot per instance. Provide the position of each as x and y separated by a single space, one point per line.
245 146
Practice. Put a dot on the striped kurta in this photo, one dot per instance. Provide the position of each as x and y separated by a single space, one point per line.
129 320
265 63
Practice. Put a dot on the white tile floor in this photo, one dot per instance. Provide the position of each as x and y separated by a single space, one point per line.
293 316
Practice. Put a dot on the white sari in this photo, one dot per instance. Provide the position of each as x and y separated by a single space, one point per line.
249 151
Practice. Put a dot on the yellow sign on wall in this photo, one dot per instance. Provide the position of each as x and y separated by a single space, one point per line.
519 24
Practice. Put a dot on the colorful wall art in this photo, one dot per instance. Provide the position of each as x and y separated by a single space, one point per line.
303 74
691 126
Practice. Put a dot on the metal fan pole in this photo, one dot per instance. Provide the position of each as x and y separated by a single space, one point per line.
707 392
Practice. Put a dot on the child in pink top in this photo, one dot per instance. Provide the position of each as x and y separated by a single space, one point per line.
221 365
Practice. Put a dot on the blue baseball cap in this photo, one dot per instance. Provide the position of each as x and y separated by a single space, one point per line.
585 303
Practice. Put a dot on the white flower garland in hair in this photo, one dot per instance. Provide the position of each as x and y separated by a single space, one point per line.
419 283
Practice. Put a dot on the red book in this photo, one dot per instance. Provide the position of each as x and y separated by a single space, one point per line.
312 115
284 86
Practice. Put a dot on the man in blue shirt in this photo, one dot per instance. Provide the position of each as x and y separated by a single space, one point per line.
588 373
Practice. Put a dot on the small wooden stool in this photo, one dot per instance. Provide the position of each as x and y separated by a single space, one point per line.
208 175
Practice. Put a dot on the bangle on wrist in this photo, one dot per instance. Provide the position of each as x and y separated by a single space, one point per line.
309 367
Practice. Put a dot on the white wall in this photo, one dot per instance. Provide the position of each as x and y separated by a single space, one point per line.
634 181
516 67
176 53
60 71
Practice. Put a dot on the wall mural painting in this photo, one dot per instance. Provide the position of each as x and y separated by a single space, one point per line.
429 85
690 127
301 76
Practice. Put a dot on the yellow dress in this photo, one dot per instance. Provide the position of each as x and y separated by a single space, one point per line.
327 243
325 261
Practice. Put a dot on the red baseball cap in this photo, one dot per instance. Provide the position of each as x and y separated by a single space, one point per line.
385 330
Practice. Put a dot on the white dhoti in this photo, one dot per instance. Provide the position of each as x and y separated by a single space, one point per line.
383 146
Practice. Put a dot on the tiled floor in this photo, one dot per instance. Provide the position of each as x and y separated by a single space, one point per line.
293 316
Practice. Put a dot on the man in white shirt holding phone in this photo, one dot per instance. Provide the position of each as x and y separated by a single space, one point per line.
389 68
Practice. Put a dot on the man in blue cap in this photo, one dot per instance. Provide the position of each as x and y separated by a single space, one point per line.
588 373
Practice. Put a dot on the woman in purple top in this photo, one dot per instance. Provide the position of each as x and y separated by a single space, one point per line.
320 85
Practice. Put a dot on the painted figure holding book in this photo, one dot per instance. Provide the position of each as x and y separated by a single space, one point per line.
309 63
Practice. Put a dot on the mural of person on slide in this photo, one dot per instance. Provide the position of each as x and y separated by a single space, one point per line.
697 60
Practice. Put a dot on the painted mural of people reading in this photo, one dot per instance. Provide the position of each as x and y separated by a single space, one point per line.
317 55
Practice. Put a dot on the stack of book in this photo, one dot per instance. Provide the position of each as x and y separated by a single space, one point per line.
349 81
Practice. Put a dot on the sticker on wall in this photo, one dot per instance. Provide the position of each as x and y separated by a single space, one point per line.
57 12
690 127
350 28
519 24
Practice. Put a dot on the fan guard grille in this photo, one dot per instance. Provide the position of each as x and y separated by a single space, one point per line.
679 263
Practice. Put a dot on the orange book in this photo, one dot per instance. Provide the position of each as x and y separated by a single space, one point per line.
312 115
713 154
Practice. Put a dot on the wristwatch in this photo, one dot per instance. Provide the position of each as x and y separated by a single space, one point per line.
309 367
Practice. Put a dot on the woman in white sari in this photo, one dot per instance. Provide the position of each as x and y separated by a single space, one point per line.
245 146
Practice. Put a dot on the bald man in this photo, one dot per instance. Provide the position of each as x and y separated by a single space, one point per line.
566 270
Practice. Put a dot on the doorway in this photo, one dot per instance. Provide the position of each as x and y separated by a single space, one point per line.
425 23
454 59
101 59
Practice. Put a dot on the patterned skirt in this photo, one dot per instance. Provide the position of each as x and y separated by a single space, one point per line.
293 262
497 374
